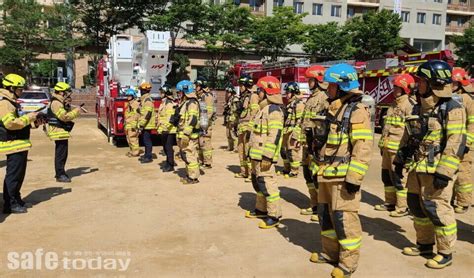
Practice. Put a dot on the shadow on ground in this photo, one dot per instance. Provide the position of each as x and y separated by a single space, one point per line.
79 171
247 200
370 198
38 196
303 234
294 197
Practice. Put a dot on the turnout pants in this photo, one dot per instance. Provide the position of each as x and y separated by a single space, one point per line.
168 141
266 187
231 136
433 215
311 180
341 231
291 154
464 183
133 142
243 148
14 177
60 157
205 147
189 154
394 195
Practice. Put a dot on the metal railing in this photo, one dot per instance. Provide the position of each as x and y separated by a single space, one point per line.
454 27
464 7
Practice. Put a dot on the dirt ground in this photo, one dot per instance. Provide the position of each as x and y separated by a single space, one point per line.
116 208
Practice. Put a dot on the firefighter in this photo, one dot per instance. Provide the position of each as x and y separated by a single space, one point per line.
166 128
316 104
249 108
14 142
147 121
435 148
188 131
393 133
344 161
231 110
131 118
206 99
60 124
292 135
464 183
265 144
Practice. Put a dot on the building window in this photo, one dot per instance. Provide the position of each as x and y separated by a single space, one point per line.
336 11
317 9
278 3
350 11
461 21
405 16
436 19
438 1
421 18
298 6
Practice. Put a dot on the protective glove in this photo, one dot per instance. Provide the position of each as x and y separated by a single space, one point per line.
398 169
352 188
265 164
184 141
440 181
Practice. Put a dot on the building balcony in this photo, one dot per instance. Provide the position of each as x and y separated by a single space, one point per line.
455 29
461 8
364 3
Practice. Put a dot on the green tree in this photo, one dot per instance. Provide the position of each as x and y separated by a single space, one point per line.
23 31
465 47
272 35
375 33
325 42
226 32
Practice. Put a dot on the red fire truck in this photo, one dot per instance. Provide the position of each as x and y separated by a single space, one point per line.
127 65
375 76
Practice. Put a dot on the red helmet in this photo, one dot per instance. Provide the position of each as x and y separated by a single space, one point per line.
461 76
315 72
270 84
404 81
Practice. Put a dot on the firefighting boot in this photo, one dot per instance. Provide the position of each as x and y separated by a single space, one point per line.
385 207
399 213
291 175
460 209
269 222
440 261
188 180
16 209
255 214
338 272
168 168
309 211
320 258
240 176
146 160
63 178
420 250
207 166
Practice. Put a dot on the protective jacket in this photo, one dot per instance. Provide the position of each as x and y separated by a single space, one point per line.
294 111
132 114
60 118
189 118
14 130
147 113
232 109
250 108
165 112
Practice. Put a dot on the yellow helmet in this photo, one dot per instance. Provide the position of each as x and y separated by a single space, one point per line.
145 86
62 87
13 80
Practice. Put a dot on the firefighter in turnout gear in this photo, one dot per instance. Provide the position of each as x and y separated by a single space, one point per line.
343 161
392 135
14 142
265 144
292 135
60 124
166 128
131 118
205 140
435 148
316 104
249 108
147 121
464 184
188 131
231 114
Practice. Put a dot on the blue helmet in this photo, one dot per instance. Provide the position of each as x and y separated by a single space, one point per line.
344 75
292 87
185 86
131 92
